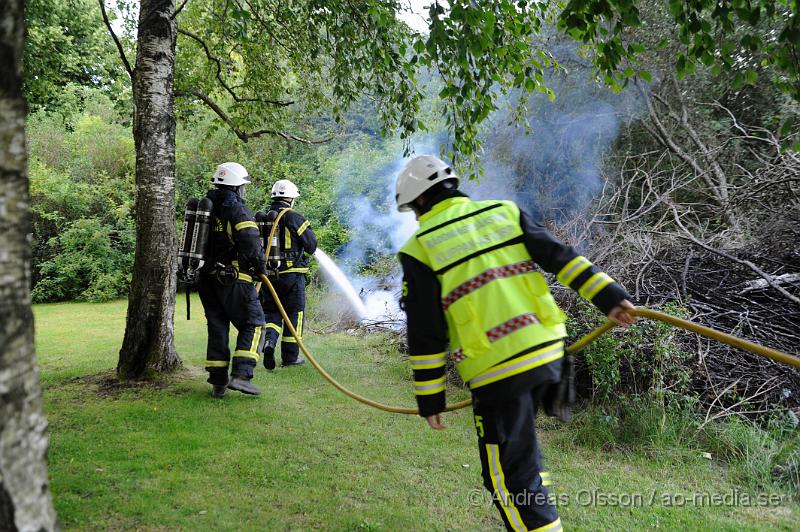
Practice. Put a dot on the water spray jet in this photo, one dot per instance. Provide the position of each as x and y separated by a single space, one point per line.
334 274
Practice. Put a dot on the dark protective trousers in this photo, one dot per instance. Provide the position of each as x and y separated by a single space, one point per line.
235 303
512 464
291 289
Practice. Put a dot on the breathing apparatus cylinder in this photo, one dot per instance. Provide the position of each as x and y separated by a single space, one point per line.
273 248
189 218
264 229
261 222
201 233
194 241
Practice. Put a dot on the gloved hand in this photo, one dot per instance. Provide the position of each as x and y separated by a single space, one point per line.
560 398
258 269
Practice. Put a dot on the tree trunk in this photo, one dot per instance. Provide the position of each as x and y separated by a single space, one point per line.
25 502
149 345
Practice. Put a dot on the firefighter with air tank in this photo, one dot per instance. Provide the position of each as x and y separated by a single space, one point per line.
471 286
292 241
221 241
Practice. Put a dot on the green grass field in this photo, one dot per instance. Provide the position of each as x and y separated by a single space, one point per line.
167 456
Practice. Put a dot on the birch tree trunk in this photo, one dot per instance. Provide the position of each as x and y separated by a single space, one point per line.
25 502
149 345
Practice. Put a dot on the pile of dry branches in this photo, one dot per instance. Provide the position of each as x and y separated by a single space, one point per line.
712 223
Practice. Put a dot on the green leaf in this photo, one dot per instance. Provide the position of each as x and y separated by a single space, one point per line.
787 126
680 66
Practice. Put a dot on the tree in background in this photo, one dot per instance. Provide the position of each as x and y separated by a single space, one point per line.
25 502
149 345
747 39
66 45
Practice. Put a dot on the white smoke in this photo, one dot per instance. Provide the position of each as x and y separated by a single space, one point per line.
377 229
553 173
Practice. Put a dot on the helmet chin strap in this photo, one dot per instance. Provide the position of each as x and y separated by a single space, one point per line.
290 201
428 199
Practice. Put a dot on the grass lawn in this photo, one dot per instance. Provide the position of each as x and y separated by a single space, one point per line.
301 456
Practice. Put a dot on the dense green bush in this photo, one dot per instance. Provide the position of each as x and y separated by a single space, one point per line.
82 194
92 262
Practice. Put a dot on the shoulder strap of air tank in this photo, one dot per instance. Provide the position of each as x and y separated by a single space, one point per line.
282 212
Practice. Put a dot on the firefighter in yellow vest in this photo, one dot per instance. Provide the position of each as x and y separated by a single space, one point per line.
471 287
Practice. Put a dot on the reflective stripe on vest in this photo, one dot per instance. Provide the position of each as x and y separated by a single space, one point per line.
496 304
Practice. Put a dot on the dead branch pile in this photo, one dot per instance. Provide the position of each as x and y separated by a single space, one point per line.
712 224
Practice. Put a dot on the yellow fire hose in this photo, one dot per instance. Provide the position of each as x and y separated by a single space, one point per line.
708 332
773 354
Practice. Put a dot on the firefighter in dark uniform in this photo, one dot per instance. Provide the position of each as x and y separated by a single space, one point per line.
226 286
288 266
470 283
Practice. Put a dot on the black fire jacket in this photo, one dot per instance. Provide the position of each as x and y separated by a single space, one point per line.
295 238
235 238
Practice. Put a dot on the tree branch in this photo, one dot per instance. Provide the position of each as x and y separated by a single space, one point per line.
218 62
666 140
116 40
244 136
266 27
180 8
758 271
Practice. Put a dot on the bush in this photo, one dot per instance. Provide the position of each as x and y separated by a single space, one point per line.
82 194
638 384
644 359
93 262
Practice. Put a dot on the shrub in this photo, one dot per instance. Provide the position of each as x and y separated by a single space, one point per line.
644 359
93 262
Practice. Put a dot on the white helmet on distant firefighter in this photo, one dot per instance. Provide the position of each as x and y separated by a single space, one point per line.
231 174
285 189
419 175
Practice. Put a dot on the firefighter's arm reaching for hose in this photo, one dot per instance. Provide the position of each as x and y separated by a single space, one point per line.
427 327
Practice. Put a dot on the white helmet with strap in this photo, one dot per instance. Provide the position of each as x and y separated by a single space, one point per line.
417 176
285 189
231 174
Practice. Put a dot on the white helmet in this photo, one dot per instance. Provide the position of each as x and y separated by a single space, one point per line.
417 176
232 174
285 189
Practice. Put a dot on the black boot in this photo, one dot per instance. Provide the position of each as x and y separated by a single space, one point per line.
241 384
218 390
269 357
299 361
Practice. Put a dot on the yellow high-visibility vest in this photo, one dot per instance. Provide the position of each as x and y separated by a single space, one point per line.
495 302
